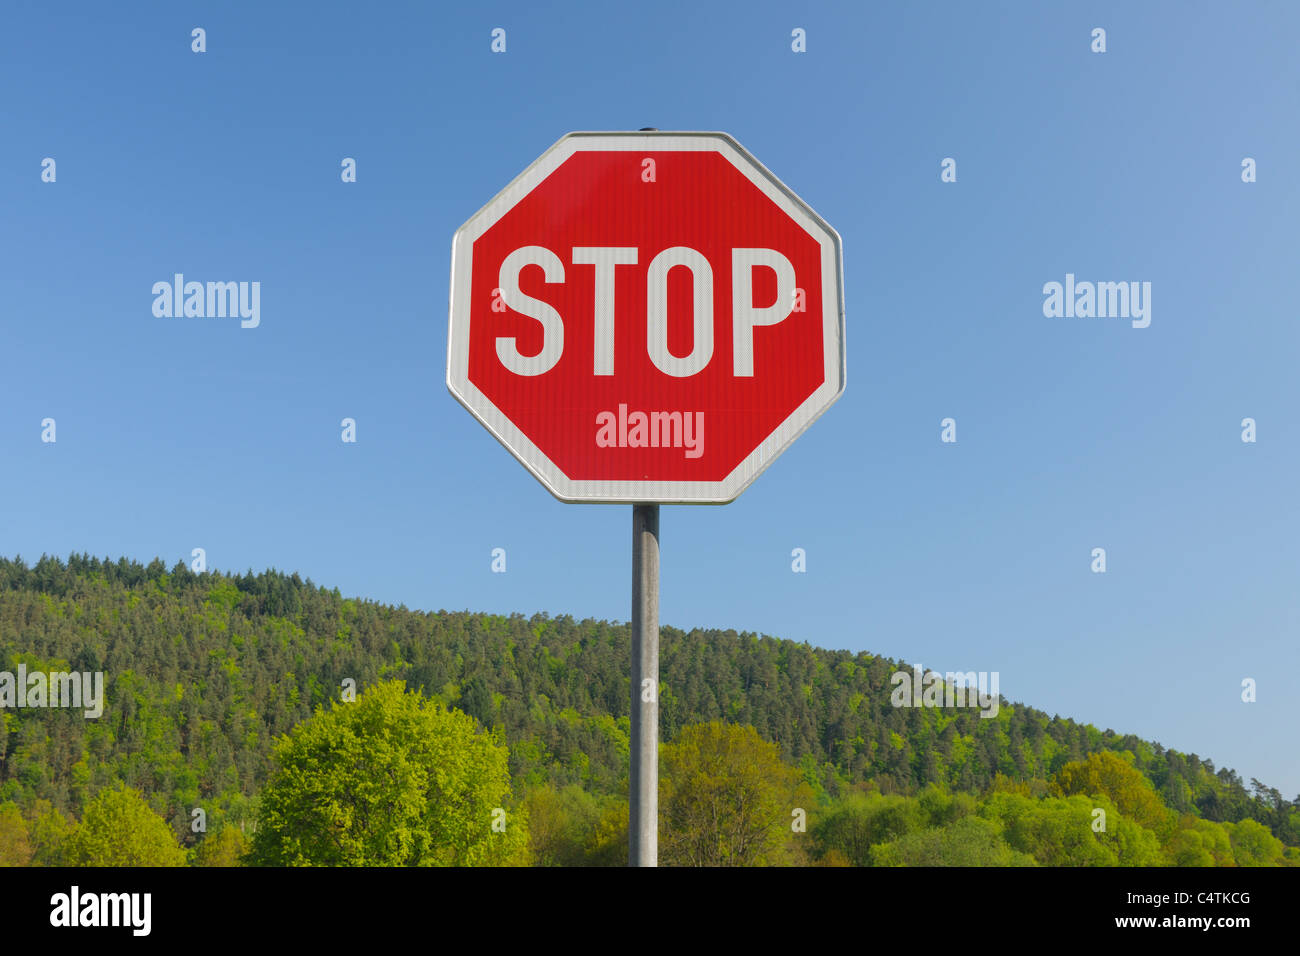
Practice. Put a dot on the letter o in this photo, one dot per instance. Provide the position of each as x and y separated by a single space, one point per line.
657 311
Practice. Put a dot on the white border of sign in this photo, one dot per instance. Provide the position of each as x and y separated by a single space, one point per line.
645 492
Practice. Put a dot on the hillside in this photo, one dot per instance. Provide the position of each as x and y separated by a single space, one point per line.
203 672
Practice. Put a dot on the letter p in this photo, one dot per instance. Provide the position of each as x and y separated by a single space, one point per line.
745 316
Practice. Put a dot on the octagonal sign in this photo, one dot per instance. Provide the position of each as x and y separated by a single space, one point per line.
646 317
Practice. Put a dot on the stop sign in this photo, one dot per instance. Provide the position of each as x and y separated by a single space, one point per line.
646 317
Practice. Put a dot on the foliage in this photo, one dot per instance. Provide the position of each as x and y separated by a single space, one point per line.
225 847
15 848
1111 775
1253 845
971 841
726 798
120 829
47 831
559 823
391 779
859 821
204 673
1064 831
608 843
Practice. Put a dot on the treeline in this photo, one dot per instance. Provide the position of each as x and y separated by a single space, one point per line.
204 671
395 779
1098 812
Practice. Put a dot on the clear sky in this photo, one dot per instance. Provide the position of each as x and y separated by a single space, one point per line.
1072 433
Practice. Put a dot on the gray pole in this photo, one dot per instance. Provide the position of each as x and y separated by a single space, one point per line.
643 785
643 781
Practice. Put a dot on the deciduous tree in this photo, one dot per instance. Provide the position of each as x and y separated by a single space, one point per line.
390 779
119 828
727 799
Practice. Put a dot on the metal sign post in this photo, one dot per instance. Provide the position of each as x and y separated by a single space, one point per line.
643 783
643 779
565 341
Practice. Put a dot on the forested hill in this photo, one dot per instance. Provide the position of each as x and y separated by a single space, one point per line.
203 671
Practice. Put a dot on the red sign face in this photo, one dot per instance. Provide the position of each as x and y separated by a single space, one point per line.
646 317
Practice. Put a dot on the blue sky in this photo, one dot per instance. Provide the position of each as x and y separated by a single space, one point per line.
1072 433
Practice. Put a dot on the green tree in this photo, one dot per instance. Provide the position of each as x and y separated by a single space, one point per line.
120 829
858 821
727 799
559 824
1253 845
971 841
226 847
391 779
1199 843
47 832
1113 776
1132 843
942 807
608 843
1059 831
15 848
1055 832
